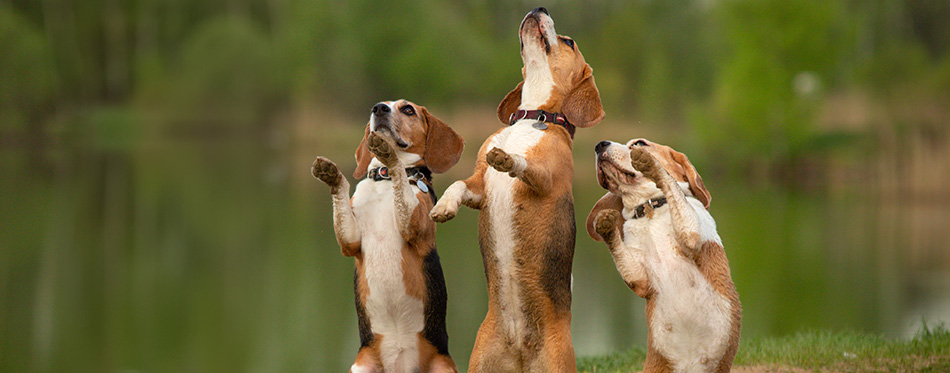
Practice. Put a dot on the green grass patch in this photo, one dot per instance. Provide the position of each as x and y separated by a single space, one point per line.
928 351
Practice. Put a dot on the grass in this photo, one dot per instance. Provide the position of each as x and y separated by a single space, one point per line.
928 351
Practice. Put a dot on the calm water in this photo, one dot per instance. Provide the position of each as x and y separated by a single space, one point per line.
219 256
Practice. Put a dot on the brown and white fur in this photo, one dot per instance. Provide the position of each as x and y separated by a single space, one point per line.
522 185
399 286
671 256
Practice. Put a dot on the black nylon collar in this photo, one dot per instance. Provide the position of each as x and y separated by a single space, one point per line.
646 209
415 174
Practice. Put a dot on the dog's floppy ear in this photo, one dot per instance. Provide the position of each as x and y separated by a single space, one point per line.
695 182
363 157
510 104
582 106
443 145
610 201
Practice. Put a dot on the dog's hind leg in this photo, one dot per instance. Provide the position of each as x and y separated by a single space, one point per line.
367 361
557 353
491 352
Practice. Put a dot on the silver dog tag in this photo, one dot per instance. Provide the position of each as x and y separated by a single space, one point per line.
422 186
540 125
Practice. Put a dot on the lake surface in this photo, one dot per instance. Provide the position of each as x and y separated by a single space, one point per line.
219 255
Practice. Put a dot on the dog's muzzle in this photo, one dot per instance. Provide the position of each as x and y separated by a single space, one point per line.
544 25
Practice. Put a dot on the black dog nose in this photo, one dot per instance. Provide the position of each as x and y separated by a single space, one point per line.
540 9
380 109
601 146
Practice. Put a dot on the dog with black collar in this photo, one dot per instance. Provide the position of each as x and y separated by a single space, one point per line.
654 220
385 227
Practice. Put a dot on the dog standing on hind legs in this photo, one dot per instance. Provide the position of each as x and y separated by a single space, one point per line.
522 185
399 285
666 248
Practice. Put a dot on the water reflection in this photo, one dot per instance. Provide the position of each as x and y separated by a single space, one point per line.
220 256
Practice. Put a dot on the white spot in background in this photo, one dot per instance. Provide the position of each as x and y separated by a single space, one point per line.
807 84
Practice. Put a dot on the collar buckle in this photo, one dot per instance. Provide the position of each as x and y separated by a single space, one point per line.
512 119
647 208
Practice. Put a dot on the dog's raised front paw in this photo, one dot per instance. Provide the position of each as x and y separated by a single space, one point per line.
326 171
442 212
643 161
382 148
499 160
606 222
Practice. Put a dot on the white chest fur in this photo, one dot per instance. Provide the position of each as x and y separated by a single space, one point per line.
691 320
392 312
499 187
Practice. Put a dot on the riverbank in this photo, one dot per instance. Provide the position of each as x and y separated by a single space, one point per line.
817 350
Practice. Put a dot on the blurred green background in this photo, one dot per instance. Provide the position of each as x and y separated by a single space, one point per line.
157 212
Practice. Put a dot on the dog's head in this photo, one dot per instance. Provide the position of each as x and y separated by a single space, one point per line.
615 173
558 79
421 139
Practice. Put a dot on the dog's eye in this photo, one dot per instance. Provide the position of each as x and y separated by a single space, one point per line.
568 42
640 143
408 110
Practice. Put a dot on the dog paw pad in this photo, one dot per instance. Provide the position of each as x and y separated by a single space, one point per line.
606 221
327 171
380 147
499 160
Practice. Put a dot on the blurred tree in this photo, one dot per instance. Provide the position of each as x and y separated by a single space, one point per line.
664 55
226 78
27 82
768 45
747 71
929 23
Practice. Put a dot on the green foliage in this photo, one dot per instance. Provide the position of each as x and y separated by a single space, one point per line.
227 76
657 54
754 73
110 128
27 83
421 50
778 55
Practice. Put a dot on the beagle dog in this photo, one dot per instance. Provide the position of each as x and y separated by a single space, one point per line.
655 222
399 286
522 185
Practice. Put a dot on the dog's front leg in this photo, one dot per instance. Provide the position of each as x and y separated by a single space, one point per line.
537 174
469 192
344 222
629 262
457 194
685 222
384 150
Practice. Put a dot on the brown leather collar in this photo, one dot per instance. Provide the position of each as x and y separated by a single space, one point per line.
542 116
